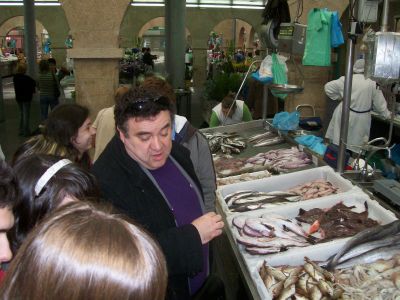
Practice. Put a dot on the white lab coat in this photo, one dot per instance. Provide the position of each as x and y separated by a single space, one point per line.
364 97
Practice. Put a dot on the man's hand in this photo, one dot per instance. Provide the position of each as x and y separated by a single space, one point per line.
209 226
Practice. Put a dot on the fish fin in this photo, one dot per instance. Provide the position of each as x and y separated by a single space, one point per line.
314 227
366 206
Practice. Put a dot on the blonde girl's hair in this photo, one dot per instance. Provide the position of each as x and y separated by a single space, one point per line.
83 252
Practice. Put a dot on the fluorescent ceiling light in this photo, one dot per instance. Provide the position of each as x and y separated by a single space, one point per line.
47 3
36 4
11 4
147 4
224 6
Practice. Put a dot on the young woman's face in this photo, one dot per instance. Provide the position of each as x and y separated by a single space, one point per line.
6 223
84 139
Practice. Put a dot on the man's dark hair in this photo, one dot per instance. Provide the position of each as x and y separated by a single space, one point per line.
228 100
8 186
151 104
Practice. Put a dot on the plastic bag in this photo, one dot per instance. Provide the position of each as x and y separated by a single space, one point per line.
256 76
286 121
279 71
313 142
266 67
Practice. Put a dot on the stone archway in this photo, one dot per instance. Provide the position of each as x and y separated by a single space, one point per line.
235 32
13 28
152 35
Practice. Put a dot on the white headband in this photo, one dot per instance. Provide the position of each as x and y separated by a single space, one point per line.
50 173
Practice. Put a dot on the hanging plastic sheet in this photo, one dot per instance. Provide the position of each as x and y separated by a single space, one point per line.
279 74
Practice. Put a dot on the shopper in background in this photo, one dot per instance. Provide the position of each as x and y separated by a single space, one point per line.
82 252
185 134
230 111
8 200
105 124
149 58
24 87
47 182
365 96
68 133
152 180
48 87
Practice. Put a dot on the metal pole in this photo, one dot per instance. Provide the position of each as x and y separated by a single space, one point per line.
30 37
385 14
344 124
175 12
265 102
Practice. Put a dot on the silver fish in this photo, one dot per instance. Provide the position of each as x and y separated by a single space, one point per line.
236 194
260 136
269 142
360 249
371 256
367 235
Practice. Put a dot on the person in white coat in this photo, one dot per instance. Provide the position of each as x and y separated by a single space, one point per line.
365 96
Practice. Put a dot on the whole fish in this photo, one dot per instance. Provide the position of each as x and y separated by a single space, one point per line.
362 248
256 225
369 234
239 221
269 142
371 256
263 251
236 195
269 242
260 136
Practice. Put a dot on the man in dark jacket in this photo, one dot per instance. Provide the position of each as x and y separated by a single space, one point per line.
24 87
150 179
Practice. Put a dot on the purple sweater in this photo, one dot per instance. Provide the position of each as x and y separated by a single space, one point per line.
185 205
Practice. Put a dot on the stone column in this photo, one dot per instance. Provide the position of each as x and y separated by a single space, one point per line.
199 66
96 76
95 27
175 13
30 37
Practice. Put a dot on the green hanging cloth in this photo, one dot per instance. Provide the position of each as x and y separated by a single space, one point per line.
318 38
279 75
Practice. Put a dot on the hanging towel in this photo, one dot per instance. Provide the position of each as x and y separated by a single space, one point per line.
336 31
318 38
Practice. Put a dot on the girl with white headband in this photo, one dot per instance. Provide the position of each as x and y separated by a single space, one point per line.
47 182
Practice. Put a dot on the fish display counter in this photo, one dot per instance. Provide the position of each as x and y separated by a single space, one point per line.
252 147
281 189
285 234
366 267
282 205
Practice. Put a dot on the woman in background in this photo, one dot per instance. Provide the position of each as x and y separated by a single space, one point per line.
48 87
68 133
83 252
